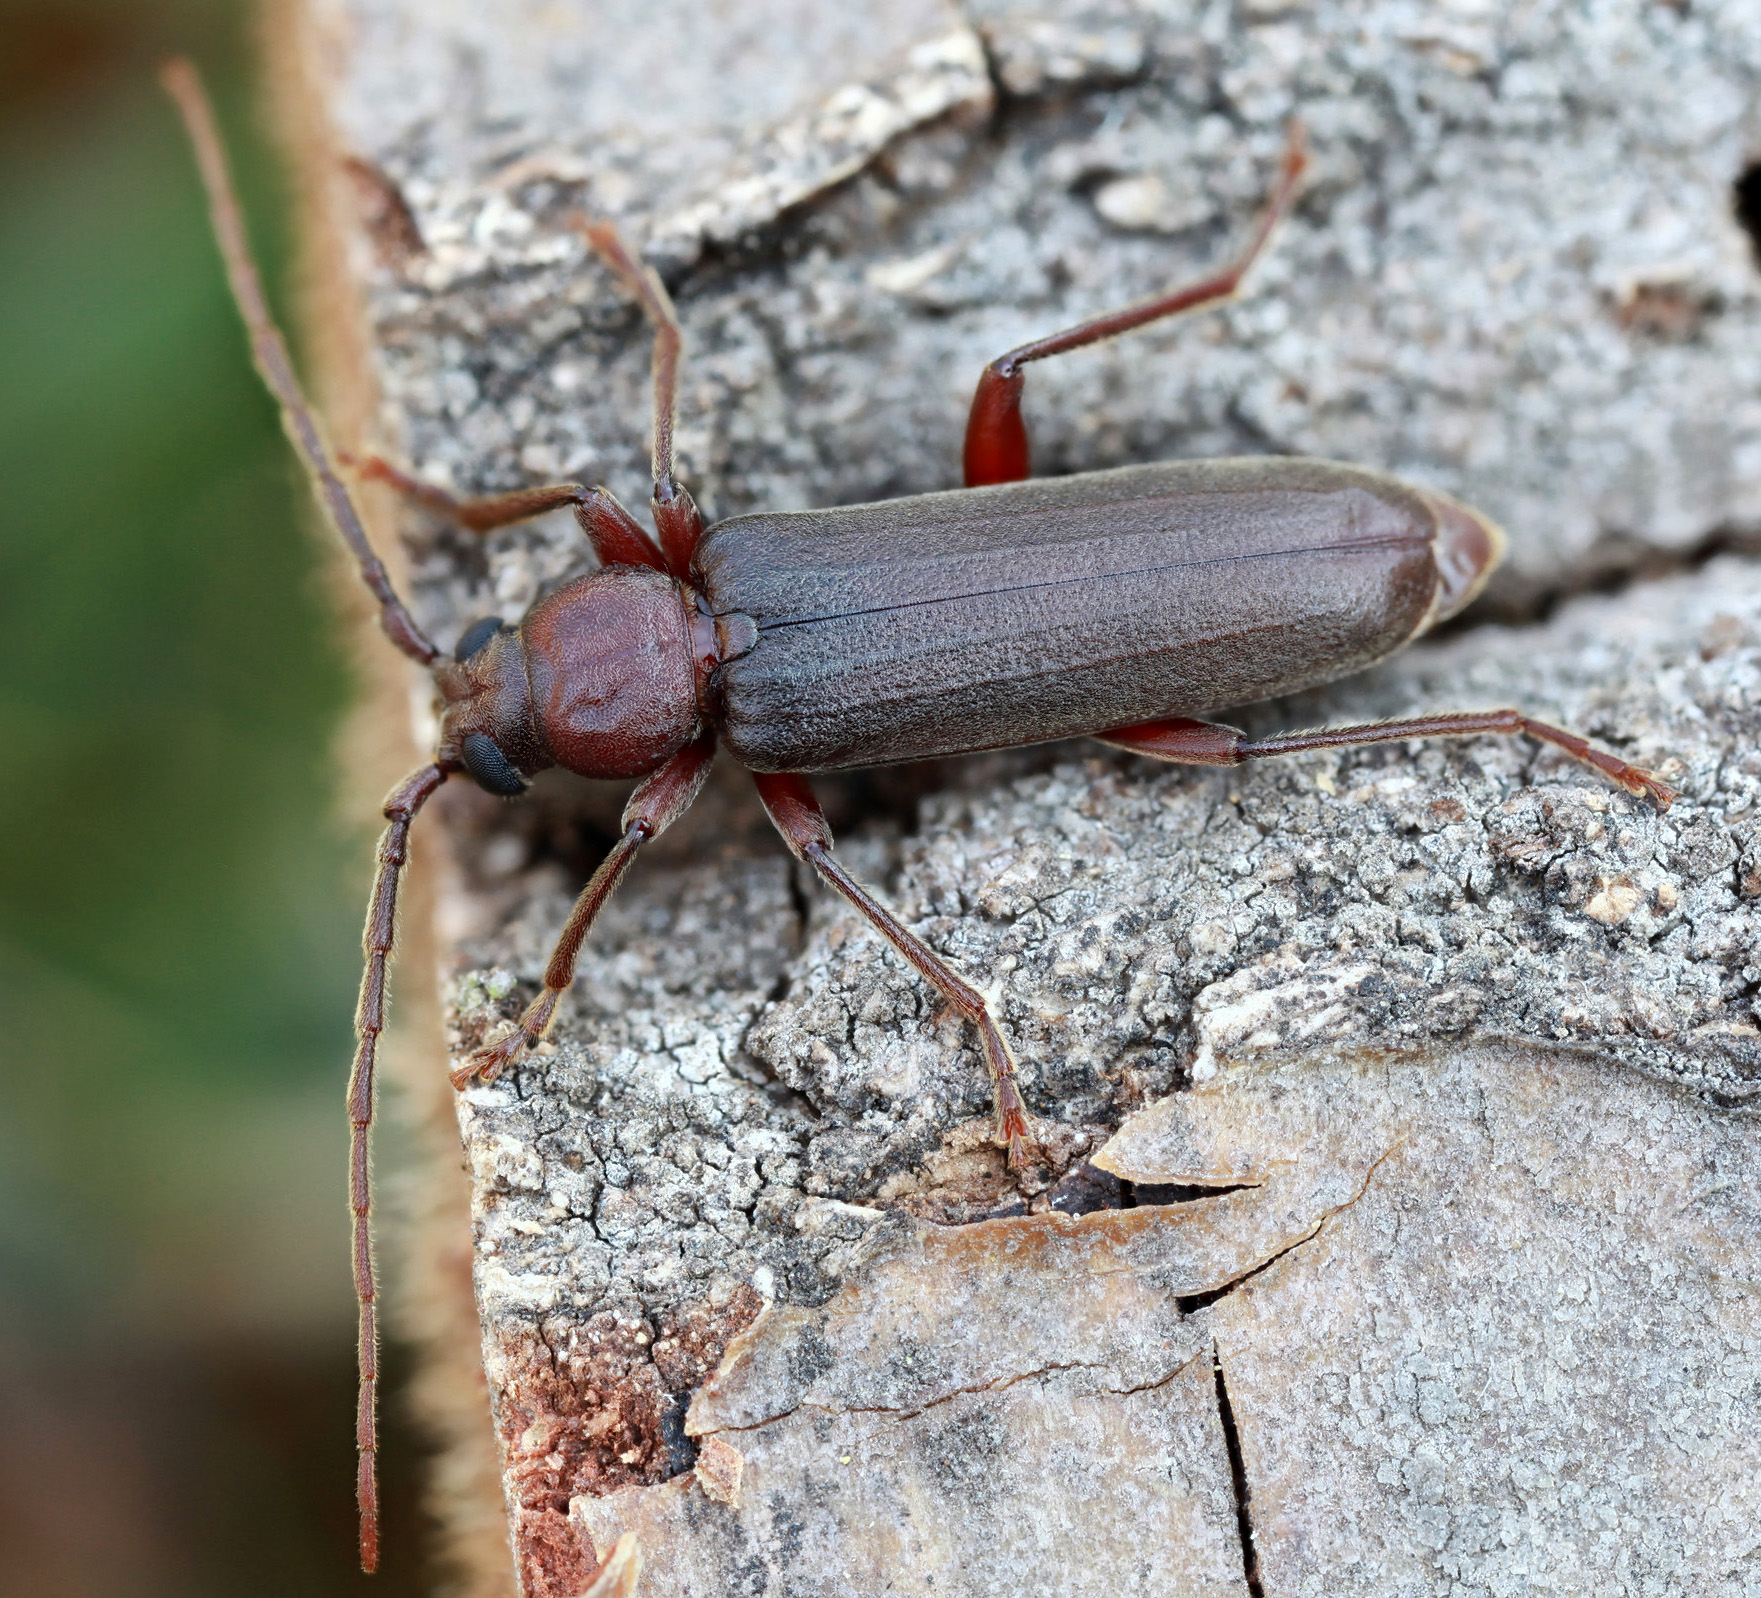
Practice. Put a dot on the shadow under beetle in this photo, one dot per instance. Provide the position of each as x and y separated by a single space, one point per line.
1115 605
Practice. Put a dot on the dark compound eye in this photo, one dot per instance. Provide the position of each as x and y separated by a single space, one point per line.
492 769
476 636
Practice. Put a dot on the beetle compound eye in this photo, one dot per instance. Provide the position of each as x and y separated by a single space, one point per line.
476 636
492 769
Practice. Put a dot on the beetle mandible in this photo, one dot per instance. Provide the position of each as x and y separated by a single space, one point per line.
1117 605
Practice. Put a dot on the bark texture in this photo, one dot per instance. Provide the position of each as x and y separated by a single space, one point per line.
1396 1230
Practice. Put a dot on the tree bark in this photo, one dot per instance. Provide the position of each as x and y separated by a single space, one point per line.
1396 1225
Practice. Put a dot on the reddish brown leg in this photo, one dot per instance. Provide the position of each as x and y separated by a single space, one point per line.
381 931
617 537
676 517
803 825
996 437
655 805
1206 743
269 351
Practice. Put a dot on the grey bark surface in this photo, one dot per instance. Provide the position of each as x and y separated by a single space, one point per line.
1472 1038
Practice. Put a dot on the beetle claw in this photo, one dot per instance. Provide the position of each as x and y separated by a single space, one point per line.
485 1065
1648 787
1013 1135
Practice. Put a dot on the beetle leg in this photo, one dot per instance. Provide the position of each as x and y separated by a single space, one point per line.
269 353
996 437
802 823
655 805
617 537
676 517
1180 740
1204 743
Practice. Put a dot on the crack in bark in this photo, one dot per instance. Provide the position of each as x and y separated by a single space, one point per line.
1192 1303
1250 1558
1001 1384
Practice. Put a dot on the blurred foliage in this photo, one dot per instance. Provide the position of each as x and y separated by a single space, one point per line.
171 893
178 905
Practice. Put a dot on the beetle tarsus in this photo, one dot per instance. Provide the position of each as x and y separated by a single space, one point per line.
1011 1109
1652 788
1013 1132
1641 784
486 1064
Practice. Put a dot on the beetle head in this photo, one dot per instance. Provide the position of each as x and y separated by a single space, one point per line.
486 725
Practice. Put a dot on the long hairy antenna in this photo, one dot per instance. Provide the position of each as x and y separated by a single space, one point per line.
381 932
269 352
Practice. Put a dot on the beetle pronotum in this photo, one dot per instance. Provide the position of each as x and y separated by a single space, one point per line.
1116 605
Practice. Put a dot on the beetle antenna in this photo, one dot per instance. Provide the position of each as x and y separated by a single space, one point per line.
381 932
269 352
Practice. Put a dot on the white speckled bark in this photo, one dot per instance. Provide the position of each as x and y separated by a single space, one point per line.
1509 1353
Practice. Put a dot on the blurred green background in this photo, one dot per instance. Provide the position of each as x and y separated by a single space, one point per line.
179 902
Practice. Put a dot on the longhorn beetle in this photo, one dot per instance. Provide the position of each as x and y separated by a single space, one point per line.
1115 605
